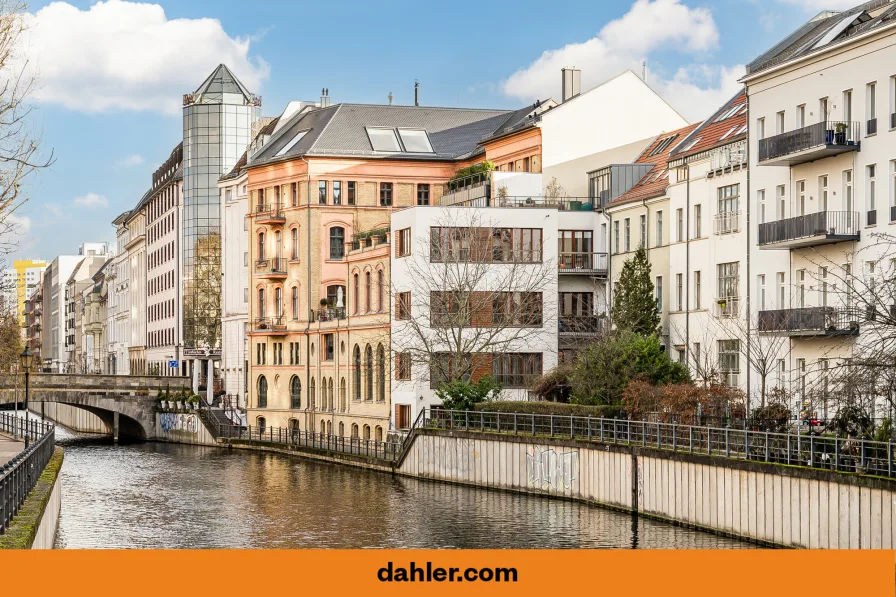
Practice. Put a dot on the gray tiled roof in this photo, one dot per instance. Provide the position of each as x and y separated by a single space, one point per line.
826 29
341 130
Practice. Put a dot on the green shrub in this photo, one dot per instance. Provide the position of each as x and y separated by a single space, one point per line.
479 168
463 395
551 408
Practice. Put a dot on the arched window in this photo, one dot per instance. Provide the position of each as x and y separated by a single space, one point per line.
261 309
261 246
378 433
366 431
331 404
381 373
329 428
379 291
357 296
262 392
355 430
341 429
295 243
295 302
295 392
337 242
311 395
368 377
357 372
342 404
367 291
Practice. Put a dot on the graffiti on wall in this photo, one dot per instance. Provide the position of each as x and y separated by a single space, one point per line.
178 422
549 468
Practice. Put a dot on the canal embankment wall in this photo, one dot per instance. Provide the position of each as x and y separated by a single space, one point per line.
71 417
36 523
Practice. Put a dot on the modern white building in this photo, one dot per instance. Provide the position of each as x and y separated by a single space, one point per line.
118 312
822 109
54 331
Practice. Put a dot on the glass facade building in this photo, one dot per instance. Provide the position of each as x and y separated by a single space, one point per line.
219 118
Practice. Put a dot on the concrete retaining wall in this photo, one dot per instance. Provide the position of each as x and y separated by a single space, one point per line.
45 537
769 504
182 428
71 417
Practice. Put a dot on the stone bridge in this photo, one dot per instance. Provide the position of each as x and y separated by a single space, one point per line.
126 404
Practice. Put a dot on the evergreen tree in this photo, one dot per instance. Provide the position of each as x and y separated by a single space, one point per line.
634 305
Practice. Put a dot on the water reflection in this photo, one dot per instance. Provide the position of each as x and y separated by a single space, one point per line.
152 495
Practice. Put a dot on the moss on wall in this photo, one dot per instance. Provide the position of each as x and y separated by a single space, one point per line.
20 535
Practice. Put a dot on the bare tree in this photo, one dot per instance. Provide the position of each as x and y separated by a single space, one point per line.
702 357
469 291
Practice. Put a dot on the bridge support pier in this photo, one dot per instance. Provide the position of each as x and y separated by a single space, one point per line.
115 426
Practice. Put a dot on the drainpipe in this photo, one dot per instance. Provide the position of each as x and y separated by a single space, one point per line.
687 265
749 275
308 284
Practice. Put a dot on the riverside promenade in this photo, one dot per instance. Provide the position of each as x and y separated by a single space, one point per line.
9 447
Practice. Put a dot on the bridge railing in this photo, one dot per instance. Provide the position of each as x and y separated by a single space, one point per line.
19 476
385 450
851 455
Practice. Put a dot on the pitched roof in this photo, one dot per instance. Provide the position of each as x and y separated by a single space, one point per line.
654 183
826 29
727 125
222 82
341 130
519 120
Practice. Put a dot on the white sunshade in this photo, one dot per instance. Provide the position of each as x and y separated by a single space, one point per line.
415 140
383 140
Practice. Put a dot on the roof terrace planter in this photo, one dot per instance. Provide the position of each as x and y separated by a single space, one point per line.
810 322
810 143
821 228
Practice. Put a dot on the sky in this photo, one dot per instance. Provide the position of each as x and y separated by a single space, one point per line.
110 76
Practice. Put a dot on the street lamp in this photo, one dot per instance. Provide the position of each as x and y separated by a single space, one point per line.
26 359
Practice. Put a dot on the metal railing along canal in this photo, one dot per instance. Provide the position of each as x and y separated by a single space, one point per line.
19 476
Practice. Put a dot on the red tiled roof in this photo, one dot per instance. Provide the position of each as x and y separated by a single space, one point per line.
710 133
656 180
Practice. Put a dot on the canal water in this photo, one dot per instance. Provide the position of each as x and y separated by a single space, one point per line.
156 495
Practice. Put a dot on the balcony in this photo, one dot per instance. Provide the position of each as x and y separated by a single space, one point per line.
810 322
270 213
727 307
470 188
271 269
588 264
810 230
726 222
530 201
580 326
328 314
727 159
269 324
810 143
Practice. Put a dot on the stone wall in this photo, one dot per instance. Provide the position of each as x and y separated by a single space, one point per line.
35 524
71 417
182 428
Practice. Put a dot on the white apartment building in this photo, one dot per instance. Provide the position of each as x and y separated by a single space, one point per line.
118 280
163 207
822 109
54 332
524 271
136 257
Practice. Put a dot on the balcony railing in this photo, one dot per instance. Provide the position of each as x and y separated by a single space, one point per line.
560 203
726 222
270 213
269 324
810 143
811 229
583 263
328 314
727 307
871 218
732 156
271 267
871 127
581 325
811 321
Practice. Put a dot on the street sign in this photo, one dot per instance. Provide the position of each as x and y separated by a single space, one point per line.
173 364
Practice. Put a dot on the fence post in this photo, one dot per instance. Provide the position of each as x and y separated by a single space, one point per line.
481 421
589 428
691 438
451 417
659 435
837 452
674 438
788 447
811 451
499 421
628 431
747 444
533 423
889 459
552 425
766 446
862 455
572 432
514 423
727 444
708 440
466 420
601 429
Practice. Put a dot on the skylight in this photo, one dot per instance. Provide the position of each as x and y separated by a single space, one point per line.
729 133
662 145
415 140
383 139
690 144
730 112
741 130
291 144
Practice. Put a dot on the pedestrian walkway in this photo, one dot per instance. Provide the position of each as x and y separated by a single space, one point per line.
9 447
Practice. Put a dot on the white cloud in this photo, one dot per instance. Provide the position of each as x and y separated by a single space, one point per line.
19 224
624 43
129 56
817 6
134 159
91 201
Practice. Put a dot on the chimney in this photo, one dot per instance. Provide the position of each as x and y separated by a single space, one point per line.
416 93
324 98
572 82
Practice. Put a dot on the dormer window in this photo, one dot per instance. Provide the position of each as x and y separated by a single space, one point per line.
383 140
291 144
415 140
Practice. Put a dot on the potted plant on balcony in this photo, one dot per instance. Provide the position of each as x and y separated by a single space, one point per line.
840 137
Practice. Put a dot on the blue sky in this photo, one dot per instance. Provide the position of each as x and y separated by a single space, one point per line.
110 74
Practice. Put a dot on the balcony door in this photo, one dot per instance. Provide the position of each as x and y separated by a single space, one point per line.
278 250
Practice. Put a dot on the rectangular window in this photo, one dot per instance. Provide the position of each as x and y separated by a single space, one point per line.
643 231
760 200
782 205
422 194
801 287
402 365
823 109
801 116
678 291
729 361
760 284
385 194
516 370
486 245
892 190
246 259
322 192
679 224
402 305
337 192
329 347
698 221
847 105
403 242
659 229
697 290
628 235
779 122
760 128
294 193
782 303
801 197
728 280
659 293
847 191
351 192
823 193
616 225
871 103
871 191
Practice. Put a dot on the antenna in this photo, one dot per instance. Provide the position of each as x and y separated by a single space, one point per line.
416 93
390 98
644 71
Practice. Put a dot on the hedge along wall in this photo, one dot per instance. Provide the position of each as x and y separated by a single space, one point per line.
552 408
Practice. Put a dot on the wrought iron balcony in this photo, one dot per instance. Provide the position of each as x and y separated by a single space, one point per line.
576 326
810 230
811 321
328 314
270 213
269 324
809 143
271 268
590 264
727 307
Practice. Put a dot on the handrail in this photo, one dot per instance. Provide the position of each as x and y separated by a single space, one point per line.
384 450
847 455
19 476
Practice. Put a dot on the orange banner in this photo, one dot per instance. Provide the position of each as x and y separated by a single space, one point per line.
448 572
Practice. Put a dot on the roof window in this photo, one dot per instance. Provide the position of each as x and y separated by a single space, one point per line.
291 144
383 139
662 145
415 140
